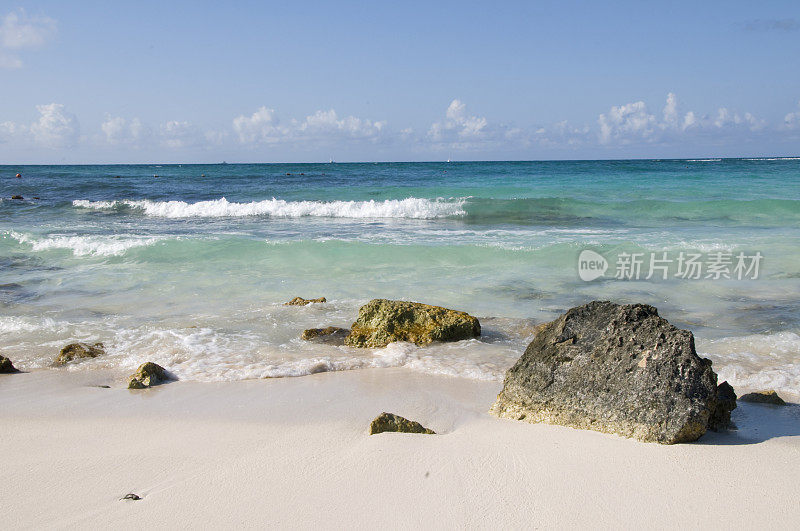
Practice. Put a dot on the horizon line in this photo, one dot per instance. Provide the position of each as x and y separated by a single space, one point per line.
700 158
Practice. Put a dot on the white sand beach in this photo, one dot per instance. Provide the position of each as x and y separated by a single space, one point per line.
295 453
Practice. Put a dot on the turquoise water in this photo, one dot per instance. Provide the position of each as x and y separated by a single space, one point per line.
187 265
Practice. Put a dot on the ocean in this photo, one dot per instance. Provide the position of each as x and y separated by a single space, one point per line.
189 265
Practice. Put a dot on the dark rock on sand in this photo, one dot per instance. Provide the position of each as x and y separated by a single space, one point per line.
6 366
300 301
391 422
726 402
131 496
616 369
382 321
148 375
77 351
763 397
330 334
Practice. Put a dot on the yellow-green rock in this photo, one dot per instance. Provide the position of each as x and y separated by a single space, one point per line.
300 301
147 375
329 334
763 397
78 351
382 321
395 423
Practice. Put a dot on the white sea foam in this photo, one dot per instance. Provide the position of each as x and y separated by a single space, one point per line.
220 353
90 245
760 361
16 325
412 207
775 158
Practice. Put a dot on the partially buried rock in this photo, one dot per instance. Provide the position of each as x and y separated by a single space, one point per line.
6 367
382 321
300 301
395 423
616 369
763 397
148 375
77 351
330 334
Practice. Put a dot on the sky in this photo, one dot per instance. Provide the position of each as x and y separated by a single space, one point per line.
114 82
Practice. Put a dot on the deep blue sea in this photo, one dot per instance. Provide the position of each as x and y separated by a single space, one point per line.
188 265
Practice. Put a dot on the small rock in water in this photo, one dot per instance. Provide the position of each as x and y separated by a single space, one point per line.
617 369
17 197
300 301
77 351
6 367
763 397
131 496
148 375
330 334
389 422
382 321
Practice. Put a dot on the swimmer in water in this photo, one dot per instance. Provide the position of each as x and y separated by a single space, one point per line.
19 176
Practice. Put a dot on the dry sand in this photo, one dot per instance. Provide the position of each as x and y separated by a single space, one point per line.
294 453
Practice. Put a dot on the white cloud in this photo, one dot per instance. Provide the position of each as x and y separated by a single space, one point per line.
55 127
631 123
261 126
18 31
671 111
727 119
264 127
561 134
327 123
458 126
792 120
120 131
8 130
689 120
176 134
626 122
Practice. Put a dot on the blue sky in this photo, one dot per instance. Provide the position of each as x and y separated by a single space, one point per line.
305 81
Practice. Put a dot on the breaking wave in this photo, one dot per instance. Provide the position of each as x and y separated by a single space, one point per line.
93 245
412 208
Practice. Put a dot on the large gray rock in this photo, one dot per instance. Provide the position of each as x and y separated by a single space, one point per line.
78 351
616 369
382 321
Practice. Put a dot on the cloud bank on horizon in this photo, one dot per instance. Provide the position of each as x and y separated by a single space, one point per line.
457 132
53 132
